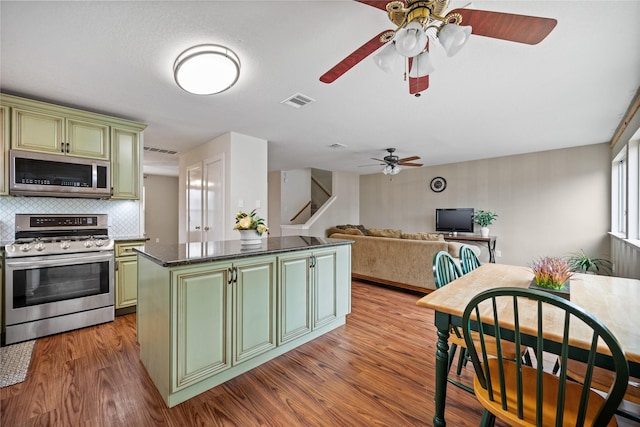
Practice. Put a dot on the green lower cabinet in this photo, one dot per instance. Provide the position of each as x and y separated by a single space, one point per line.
255 308
294 289
325 308
126 282
202 330
308 292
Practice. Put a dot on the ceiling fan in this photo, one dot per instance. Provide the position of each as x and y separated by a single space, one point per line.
392 162
417 21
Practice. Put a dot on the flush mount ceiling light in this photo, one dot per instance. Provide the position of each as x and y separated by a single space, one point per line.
206 69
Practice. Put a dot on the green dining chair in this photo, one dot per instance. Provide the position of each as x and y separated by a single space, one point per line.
468 259
527 396
445 270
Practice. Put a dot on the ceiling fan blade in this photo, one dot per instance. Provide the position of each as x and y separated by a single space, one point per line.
506 26
417 84
408 159
350 61
378 160
410 164
375 3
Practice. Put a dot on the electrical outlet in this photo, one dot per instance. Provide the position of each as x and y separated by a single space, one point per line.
241 203
498 254
157 240
257 204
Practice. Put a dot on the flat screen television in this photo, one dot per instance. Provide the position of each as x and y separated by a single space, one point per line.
459 220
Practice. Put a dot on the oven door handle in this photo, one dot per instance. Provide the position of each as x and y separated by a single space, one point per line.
55 261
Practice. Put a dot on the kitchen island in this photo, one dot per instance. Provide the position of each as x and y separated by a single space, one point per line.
210 311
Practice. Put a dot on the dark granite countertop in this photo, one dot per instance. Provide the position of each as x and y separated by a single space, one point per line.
194 253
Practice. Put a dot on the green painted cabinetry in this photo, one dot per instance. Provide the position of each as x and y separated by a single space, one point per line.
48 128
4 150
126 276
254 306
202 324
125 163
307 291
202 319
42 129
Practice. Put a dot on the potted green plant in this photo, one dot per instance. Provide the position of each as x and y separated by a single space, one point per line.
580 262
551 274
484 219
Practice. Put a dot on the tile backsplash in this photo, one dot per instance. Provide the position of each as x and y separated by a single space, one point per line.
124 215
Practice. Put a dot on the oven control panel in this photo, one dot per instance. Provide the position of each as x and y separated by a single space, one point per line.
63 221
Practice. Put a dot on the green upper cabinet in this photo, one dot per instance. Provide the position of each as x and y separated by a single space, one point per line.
125 163
4 150
31 125
47 132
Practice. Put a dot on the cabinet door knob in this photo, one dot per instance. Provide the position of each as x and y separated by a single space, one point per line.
197 227
206 229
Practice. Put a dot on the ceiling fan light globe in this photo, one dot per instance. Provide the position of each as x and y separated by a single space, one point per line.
388 60
421 65
395 170
453 37
411 40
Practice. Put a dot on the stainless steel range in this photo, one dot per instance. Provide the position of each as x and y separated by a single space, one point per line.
58 275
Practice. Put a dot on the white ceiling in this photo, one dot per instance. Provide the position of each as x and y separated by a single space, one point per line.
494 98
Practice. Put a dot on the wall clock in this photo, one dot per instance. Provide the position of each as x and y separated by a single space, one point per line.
438 184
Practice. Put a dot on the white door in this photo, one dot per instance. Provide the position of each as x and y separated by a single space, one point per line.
213 194
194 203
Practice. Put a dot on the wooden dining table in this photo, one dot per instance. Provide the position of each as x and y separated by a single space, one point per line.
615 301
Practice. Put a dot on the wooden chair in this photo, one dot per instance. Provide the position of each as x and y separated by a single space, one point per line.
602 380
526 396
468 259
445 270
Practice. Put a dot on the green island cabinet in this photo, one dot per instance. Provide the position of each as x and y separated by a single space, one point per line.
48 128
126 275
203 320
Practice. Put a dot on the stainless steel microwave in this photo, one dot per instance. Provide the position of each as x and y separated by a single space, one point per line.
52 175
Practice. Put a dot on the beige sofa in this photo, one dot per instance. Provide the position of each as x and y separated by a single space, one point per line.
403 262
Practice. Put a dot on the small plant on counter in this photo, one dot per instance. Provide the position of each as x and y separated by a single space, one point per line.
551 272
484 218
250 221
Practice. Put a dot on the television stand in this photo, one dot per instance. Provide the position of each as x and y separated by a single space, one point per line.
491 242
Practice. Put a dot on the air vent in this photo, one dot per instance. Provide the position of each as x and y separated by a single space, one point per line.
160 150
298 100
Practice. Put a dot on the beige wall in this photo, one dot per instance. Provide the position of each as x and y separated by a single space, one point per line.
549 203
161 208
245 173
345 208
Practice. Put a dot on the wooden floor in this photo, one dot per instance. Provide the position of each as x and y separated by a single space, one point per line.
377 370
